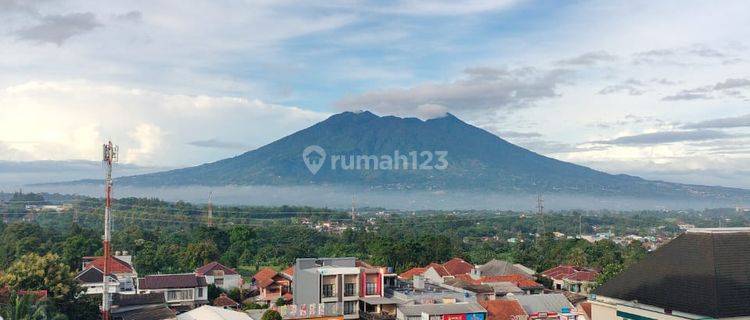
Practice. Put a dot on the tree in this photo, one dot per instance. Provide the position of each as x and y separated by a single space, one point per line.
23 307
76 247
271 315
609 272
280 302
577 257
198 254
48 272
214 292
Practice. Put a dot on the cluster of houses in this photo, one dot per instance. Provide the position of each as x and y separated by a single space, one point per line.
704 273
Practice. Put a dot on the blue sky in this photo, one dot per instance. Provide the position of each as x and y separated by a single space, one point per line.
657 89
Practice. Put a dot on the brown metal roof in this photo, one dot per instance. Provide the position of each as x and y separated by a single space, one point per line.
700 272
165 281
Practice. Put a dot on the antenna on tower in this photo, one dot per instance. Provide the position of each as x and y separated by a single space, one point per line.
109 156
210 221
540 208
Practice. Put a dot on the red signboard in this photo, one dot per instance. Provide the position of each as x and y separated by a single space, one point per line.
454 316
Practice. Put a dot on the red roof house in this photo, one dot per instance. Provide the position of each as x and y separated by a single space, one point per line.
409 274
115 265
214 266
225 302
503 309
458 266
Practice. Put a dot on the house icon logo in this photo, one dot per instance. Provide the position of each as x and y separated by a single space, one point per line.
314 156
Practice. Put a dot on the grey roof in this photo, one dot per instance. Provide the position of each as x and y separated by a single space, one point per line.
505 287
476 288
703 271
499 267
122 300
155 313
440 308
380 300
167 281
534 303
92 275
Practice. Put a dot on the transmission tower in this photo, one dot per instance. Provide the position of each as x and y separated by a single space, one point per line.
210 221
540 211
109 157
354 208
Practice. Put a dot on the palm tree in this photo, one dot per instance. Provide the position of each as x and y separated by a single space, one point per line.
23 307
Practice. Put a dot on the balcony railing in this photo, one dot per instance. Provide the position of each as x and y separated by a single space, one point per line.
375 316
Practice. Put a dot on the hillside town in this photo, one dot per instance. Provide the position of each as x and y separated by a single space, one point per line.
667 284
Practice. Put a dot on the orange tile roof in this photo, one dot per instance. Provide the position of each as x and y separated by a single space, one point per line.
408 274
502 309
586 306
224 301
439 268
467 278
289 271
115 265
518 280
264 277
457 266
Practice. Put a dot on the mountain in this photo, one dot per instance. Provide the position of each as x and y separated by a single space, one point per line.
19 173
477 160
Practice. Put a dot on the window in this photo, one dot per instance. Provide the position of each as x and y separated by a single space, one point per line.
200 292
350 307
327 290
370 288
349 289
219 282
173 295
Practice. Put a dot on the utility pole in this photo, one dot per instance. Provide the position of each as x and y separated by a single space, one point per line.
580 225
210 222
354 208
109 157
540 208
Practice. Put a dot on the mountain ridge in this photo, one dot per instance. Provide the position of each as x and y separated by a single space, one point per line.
478 160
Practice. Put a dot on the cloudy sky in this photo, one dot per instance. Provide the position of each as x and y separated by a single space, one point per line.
657 89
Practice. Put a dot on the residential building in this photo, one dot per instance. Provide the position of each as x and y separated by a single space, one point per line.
339 286
122 275
504 310
521 281
572 278
150 306
500 268
213 313
547 306
420 298
223 301
442 311
438 273
703 273
181 291
272 285
220 276
330 284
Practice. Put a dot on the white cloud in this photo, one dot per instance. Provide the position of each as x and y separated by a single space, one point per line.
71 119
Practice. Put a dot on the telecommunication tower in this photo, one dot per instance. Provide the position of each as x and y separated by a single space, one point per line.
109 157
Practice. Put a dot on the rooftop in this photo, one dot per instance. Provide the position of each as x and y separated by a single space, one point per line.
165 281
535 303
441 308
202 271
704 272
